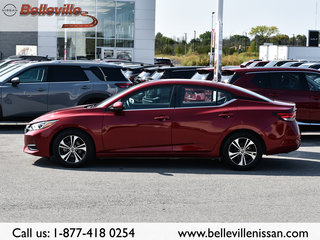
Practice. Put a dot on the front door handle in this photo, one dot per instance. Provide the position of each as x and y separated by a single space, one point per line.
40 90
161 118
274 95
226 115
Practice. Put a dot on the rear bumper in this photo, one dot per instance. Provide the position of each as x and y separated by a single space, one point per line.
286 138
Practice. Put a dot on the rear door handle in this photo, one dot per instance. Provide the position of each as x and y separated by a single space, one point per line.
274 95
40 90
226 115
85 87
161 118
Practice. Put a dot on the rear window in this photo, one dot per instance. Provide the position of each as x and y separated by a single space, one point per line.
280 81
188 73
66 74
114 74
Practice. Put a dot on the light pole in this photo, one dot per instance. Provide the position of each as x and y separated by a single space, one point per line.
218 42
211 56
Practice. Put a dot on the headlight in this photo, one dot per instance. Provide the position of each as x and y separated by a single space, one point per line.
39 125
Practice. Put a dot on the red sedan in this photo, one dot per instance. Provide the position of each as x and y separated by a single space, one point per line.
169 118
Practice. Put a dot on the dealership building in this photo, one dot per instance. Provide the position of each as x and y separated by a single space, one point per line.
78 29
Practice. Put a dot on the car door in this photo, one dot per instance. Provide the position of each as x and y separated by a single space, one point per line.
68 85
201 116
285 86
313 80
144 125
28 96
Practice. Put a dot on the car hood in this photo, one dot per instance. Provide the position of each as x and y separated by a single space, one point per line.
57 114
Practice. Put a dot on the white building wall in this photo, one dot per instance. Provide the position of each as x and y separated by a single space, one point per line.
47 33
144 35
274 52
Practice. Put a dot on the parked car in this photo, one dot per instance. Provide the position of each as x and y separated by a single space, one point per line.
145 75
30 58
169 118
208 73
312 65
174 72
258 64
36 88
301 86
277 63
246 64
292 64
132 72
159 61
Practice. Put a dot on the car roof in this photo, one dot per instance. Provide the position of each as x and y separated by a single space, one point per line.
272 69
84 64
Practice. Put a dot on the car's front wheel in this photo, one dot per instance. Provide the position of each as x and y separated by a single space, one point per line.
73 148
242 151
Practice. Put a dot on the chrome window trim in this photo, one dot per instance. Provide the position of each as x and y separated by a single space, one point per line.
216 106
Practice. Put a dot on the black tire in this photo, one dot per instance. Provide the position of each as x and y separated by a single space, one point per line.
242 151
73 148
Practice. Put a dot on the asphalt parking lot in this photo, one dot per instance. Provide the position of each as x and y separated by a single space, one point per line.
284 188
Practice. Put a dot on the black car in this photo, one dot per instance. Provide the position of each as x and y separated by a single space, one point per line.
174 72
163 62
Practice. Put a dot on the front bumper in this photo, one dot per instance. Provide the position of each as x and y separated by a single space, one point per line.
37 143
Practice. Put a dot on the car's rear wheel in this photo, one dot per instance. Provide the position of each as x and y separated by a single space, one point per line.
242 151
73 148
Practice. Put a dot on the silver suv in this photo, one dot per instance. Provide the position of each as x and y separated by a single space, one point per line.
36 88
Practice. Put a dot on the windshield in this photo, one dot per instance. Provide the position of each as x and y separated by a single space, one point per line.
200 76
110 99
157 75
10 71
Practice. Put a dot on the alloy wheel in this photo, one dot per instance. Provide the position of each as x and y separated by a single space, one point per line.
72 149
242 151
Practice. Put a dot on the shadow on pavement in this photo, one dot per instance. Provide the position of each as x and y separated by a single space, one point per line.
271 166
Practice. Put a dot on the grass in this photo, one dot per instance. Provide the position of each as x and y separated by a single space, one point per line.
204 60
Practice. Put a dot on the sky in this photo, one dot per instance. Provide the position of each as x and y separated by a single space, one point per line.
174 18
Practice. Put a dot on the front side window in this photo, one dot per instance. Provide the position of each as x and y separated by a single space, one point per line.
313 81
36 74
194 96
152 97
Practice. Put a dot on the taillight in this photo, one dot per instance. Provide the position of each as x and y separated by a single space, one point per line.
287 116
123 85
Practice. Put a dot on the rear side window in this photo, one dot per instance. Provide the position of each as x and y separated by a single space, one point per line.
113 74
97 71
280 81
198 96
66 74
313 80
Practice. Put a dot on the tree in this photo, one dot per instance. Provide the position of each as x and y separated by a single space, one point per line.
263 33
280 39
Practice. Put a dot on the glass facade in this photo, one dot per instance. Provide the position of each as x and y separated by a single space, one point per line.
113 37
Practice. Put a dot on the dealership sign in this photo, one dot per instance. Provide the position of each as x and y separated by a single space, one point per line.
33 11
66 10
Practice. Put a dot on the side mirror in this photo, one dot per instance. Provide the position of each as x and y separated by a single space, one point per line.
15 81
117 106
